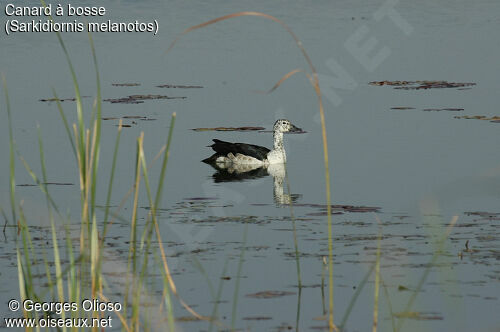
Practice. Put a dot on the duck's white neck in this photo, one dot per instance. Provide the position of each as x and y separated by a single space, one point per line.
277 155
278 141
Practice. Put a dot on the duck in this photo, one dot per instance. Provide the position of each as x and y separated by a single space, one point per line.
250 156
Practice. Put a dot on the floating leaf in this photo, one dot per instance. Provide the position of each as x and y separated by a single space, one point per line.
188 319
176 86
402 108
137 99
257 318
61 100
418 85
342 208
46 183
139 117
418 315
494 119
483 214
269 294
443 109
125 84
247 128
200 198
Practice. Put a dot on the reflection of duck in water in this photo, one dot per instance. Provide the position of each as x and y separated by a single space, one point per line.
240 161
229 155
245 173
278 172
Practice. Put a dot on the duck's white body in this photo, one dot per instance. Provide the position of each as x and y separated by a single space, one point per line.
239 158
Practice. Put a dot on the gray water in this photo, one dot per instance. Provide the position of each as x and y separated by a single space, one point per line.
421 168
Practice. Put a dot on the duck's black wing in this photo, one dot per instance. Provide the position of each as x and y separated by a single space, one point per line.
222 148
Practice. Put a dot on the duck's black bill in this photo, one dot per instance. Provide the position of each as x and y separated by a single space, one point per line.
295 129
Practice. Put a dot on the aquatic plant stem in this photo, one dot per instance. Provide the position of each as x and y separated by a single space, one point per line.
297 253
359 288
377 278
421 282
238 277
389 304
218 296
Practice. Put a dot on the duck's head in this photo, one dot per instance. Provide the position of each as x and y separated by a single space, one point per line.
285 126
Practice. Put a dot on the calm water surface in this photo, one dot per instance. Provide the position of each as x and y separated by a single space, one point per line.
421 168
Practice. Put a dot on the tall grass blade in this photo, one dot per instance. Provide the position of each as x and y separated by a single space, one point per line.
297 315
20 277
132 260
78 98
12 165
27 248
197 265
111 178
284 78
39 183
65 122
97 129
152 205
57 260
94 258
161 179
59 274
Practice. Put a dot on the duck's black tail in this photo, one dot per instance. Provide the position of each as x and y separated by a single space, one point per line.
211 160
